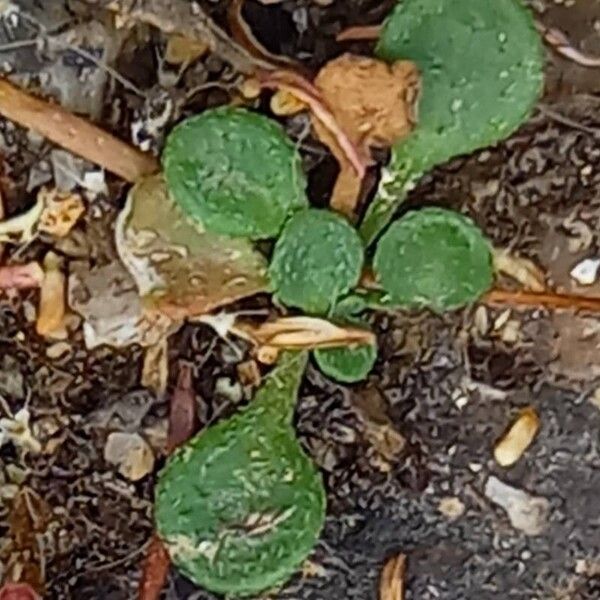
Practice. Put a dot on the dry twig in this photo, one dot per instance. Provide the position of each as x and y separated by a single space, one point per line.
305 91
74 133
244 36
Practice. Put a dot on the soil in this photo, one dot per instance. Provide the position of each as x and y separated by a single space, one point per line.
449 386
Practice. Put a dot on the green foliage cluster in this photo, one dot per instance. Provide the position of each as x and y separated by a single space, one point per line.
240 506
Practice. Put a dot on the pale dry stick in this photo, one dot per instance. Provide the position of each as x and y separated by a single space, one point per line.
74 134
562 45
186 18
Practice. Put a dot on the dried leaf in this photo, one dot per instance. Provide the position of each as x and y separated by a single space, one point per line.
108 299
61 211
178 268
391 583
302 333
183 420
155 570
30 275
380 430
517 438
18 591
522 270
155 369
374 103
29 519
131 453
21 229
182 425
183 50
52 308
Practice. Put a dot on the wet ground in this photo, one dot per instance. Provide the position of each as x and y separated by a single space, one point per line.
407 456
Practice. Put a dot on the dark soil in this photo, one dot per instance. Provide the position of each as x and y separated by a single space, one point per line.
449 385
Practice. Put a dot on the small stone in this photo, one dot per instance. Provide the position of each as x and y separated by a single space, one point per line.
527 513
451 507
58 350
586 272
131 453
232 390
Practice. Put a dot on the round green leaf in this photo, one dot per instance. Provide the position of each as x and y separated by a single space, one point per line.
234 171
318 258
240 506
434 258
346 364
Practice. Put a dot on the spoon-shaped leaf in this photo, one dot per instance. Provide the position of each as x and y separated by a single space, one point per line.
433 258
482 68
240 506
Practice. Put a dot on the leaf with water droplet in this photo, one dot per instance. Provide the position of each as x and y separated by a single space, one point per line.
235 172
482 71
318 258
433 258
240 506
180 268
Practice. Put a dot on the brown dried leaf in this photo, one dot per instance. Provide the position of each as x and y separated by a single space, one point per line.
18 591
183 421
61 211
52 308
155 570
179 269
391 583
249 373
183 50
302 333
522 270
517 438
374 103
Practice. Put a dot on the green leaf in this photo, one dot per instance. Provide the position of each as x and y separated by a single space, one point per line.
482 68
235 171
346 364
318 258
240 506
433 258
